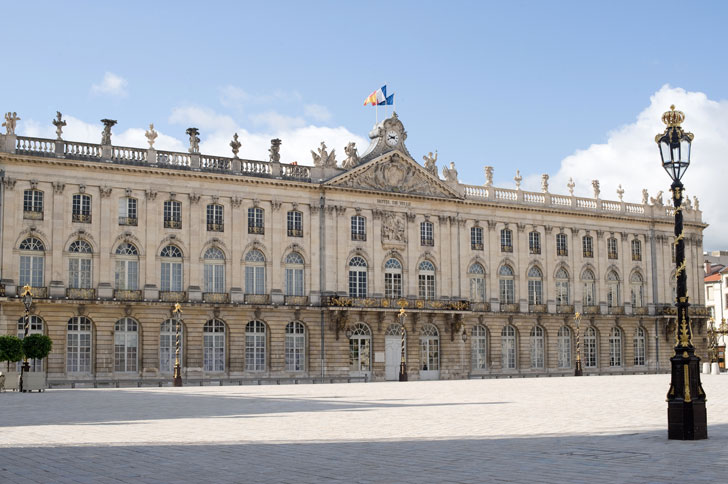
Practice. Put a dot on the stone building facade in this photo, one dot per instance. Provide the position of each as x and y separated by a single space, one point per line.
285 270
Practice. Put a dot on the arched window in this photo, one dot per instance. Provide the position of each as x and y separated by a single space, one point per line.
294 274
636 290
479 342
564 347
254 272
615 347
535 286
171 275
79 265
639 347
589 297
613 289
360 348
81 209
505 284
255 346
78 345
476 276
426 280
32 259
590 348
392 278
295 346
213 333
126 273
562 286
168 345
508 347
429 348
35 326
357 277
537 347
214 270
126 345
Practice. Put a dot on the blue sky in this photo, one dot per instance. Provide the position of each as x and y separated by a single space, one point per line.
511 84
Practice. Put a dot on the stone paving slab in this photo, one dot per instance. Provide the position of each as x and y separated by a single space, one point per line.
589 429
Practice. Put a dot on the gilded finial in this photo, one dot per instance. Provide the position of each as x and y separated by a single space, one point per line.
577 315
672 118
26 291
177 308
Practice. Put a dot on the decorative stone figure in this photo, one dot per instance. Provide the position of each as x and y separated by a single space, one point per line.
518 179
544 183
106 133
352 157
657 199
194 133
11 120
620 192
595 185
450 174
324 158
696 203
235 145
430 162
688 204
571 186
393 227
151 135
488 176
275 151
645 196
59 124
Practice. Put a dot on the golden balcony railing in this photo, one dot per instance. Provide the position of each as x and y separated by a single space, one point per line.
506 248
427 242
40 292
407 303
535 250
81 218
215 297
636 257
257 298
215 227
128 221
296 300
127 295
536 308
172 296
358 237
295 232
588 254
591 309
32 215
476 246
172 224
80 293
256 229
562 252
612 255
510 308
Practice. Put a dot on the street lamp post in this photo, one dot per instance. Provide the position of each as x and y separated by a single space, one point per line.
27 296
177 311
713 334
577 368
686 416
403 360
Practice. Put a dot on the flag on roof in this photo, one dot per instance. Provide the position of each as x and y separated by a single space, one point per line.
377 97
388 101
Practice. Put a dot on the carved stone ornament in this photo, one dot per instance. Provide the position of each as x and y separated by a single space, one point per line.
11 120
58 187
151 135
571 186
352 157
194 197
430 162
488 176
595 186
450 174
106 133
394 227
82 188
59 123
275 151
128 192
394 174
657 199
324 158
518 178
194 135
275 204
645 196
236 201
34 184
235 145
544 183
150 194
620 192
105 191
9 183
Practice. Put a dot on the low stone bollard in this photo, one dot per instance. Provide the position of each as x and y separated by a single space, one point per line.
714 368
706 368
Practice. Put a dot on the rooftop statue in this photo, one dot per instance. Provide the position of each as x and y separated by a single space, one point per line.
324 158
657 200
106 133
450 174
544 183
151 135
595 185
518 179
194 139
430 164
235 145
620 192
11 120
645 196
352 157
275 151
571 186
59 124
488 176
696 203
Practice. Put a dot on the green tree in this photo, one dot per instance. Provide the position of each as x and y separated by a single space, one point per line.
37 346
11 349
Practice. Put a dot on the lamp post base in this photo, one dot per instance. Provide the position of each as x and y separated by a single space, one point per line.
403 371
686 415
577 370
177 376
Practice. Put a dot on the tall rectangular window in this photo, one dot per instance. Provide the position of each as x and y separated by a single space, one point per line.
427 234
215 222
255 221
81 209
636 250
295 223
172 214
127 211
612 252
587 244
562 247
476 238
534 242
33 204
506 240
358 228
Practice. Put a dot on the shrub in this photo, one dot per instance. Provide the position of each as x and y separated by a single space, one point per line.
37 346
11 349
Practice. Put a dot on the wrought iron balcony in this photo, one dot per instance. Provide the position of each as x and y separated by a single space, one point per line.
408 303
636 257
295 232
358 237
565 308
296 300
616 310
215 297
480 306
537 308
510 308
172 223
588 254
128 221
32 215
612 255
172 296
82 218
535 250
256 229
562 252
476 246
80 293
257 298
591 309
127 295
427 242
640 311
506 248
39 292
215 227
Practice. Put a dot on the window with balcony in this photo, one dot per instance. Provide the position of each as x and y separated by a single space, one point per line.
506 237
128 211
613 290
81 209
255 272
476 238
535 286
637 289
612 252
294 220
427 234
294 265
587 245
426 280
506 285
589 296
215 222
256 220
534 242
171 269
636 250
537 347
562 287
562 247
393 278
358 228
32 261
357 277
214 268
615 347
79 265
33 204
172 214
476 277
126 274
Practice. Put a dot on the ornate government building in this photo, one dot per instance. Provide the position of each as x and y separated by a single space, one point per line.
292 271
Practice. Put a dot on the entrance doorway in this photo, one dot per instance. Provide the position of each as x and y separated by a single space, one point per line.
393 351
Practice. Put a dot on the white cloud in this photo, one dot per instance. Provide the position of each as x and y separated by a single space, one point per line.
112 85
317 112
203 118
630 158
233 96
277 122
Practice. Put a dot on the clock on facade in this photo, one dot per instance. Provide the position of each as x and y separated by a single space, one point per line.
392 137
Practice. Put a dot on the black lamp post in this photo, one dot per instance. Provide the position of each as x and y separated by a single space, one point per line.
177 311
27 297
686 416
577 367
403 360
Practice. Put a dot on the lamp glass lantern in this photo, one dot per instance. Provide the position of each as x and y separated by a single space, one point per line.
674 145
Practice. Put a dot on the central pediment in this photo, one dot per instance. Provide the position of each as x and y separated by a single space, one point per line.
394 172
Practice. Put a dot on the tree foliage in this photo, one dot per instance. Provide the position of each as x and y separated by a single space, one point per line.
37 346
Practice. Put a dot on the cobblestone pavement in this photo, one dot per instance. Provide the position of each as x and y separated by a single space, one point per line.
589 429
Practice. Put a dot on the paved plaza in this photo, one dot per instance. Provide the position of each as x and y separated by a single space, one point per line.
589 429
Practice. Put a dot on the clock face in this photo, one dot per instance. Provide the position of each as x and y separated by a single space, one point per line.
392 137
